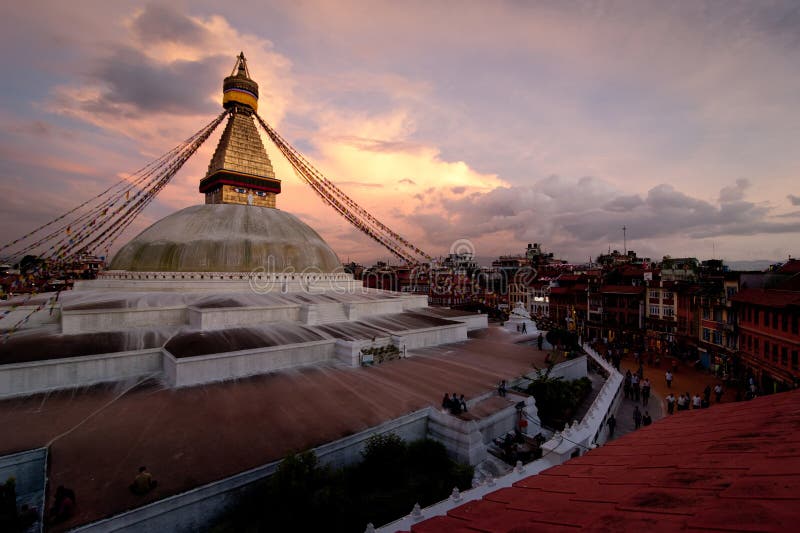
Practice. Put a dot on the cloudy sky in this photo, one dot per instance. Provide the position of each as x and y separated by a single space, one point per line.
500 122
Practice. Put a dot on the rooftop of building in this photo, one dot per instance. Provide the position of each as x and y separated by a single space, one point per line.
735 467
768 297
98 437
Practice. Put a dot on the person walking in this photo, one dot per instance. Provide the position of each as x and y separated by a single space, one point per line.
635 387
626 385
718 390
539 341
645 392
670 403
697 403
668 377
682 402
637 417
612 423
646 420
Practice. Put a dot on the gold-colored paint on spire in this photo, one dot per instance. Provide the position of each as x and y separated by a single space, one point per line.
240 171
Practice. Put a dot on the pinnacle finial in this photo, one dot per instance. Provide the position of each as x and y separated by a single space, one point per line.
239 87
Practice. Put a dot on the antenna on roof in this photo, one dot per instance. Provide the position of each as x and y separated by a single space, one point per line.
624 240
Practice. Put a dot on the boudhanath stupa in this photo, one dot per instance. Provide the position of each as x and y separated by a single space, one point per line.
222 290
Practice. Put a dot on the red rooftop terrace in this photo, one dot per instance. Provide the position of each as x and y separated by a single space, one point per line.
734 467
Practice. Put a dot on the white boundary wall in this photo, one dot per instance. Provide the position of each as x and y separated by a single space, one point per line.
589 433
21 379
188 371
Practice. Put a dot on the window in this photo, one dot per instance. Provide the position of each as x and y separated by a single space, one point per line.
784 356
717 337
667 311
240 190
766 349
654 294
706 314
794 359
668 295
654 310
795 320
774 353
730 291
261 193
784 322
766 319
755 345
774 320
749 342
706 334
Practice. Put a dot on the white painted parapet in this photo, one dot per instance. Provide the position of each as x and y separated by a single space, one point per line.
208 318
588 433
592 430
22 379
188 371
74 321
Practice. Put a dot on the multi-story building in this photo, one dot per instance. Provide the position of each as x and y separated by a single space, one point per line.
769 329
717 335
661 312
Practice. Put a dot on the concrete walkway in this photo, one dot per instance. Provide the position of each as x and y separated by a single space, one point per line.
624 414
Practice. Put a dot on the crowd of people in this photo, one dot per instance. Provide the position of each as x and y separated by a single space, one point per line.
455 405
636 387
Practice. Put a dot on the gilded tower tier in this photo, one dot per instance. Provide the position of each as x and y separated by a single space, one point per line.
240 171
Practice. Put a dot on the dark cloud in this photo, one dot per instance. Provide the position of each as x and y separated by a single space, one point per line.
160 23
735 192
590 211
624 203
136 84
458 190
794 199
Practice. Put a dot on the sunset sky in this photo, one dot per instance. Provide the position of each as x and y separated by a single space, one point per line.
499 122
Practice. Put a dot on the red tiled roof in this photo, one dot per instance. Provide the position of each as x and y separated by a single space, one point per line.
768 297
731 467
790 267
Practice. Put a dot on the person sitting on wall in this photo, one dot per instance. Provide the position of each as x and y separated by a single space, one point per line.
63 506
463 403
455 406
446 402
144 482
